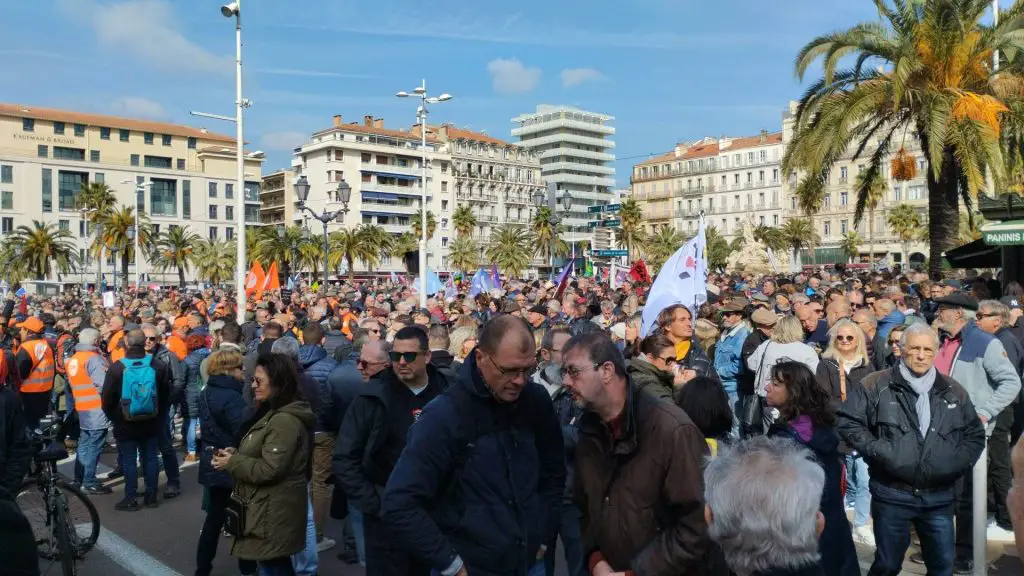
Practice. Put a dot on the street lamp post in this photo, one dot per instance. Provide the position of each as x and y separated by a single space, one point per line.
539 200
113 250
133 236
421 117
341 194
98 228
139 189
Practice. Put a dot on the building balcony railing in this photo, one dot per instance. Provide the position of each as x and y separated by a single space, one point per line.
391 208
695 192
517 200
476 197
391 168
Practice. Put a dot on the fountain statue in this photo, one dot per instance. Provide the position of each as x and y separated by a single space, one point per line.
752 257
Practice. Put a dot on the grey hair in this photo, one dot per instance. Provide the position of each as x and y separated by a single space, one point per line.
885 306
918 329
88 336
998 308
969 314
799 298
867 316
147 326
286 347
764 495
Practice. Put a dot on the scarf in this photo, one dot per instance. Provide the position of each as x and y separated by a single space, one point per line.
922 385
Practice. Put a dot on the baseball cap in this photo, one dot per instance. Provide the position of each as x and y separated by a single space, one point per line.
1012 302
32 324
538 309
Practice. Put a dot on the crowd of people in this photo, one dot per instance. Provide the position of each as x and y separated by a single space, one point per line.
767 430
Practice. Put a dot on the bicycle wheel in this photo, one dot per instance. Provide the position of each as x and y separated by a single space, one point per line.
63 530
81 516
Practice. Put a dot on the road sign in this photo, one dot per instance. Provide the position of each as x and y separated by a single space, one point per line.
604 223
610 253
604 208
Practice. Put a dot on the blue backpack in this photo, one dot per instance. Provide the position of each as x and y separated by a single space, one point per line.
138 389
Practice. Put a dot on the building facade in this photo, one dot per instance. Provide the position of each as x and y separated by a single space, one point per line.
574 150
383 167
176 175
277 198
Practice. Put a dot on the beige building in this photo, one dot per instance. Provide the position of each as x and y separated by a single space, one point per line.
46 155
277 197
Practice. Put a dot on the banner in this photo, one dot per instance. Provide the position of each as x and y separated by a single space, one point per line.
681 280
271 282
254 279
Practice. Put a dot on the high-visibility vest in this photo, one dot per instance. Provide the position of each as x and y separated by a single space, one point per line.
59 356
84 390
40 379
177 346
114 348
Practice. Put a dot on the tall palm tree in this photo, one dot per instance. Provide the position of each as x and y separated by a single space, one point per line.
94 200
510 249
114 236
547 238
850 245
718 250
661 245
924 70
799 233
347 244
417 226
404 245
464 254
873 193
214 260
38 248
175 249
378 243
904 222
286 250
631 232
464 221
770 236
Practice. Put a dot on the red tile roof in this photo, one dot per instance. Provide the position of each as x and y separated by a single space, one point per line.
458 133
67 116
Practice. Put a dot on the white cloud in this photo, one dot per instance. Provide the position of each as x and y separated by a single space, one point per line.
282 140
134 107
512 76
575 76
146 29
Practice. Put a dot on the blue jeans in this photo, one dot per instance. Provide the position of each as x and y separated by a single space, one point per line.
132 451
190 429
931 514
355 520
170 457
537 569
572 545
734 403
308 560
277 567
87 457
857 489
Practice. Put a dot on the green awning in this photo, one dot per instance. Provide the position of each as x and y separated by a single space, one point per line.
1009 233
975 254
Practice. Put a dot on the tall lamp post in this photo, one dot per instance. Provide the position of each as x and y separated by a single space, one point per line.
140 188
539 200
133 236
341 194
113 250
98 229
421 117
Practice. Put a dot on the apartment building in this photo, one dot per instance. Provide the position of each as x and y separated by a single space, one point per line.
729 179
383 167
573 146
277 198
836 217
187 174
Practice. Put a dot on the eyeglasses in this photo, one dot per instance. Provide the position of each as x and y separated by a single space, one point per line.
668 359
983 316
574 371
409 357
514 372
856 306
841 338
361 362
894 342
152 338
373 330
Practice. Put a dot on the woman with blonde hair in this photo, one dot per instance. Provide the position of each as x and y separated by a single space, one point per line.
707 334
786 343
461 341
846 349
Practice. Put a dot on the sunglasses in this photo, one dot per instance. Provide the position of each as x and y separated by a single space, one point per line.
893 342
361 362
842 338
152 338
408 357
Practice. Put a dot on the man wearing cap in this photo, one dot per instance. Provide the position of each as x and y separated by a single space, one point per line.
978 362
537 317
36 366
728 352
86 370
1016 313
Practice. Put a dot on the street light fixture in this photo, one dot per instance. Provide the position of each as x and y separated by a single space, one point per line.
540 199
341 194
421 117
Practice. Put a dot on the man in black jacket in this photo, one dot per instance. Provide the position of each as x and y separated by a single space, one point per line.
15 448
372 437
138 438
919 433
165 439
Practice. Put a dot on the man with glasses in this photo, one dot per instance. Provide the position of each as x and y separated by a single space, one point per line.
491 444
373 435
639 461
372 327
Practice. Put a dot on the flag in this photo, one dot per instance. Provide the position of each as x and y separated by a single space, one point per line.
254 279
449 286
21 292
291 284
271 282
481 283
394 278
588 268
638 273
563 278
681 280
495 277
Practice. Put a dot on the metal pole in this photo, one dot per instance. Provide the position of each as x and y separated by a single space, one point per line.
115 270
979 518
138 256
240 173
324 289
423 205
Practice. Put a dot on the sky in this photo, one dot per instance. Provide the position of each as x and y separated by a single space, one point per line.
667 70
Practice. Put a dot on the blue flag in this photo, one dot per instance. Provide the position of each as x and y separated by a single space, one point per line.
481 283
21 292
564 277
495 277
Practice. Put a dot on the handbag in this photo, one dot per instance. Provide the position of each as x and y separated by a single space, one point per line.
751 416
234 516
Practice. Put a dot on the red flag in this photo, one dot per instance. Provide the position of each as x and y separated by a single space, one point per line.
254 279
271 282
638 273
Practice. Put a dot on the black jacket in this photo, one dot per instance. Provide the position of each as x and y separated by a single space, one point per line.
1014 349
17 543
137 430
745 384
828 376
345 383
697 360
15 448
879 420
221 414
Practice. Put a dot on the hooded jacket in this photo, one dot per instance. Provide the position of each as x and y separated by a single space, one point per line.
221 414
650 379
881 342
316 362
193 379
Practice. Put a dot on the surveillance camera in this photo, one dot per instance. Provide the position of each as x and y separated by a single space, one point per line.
229 10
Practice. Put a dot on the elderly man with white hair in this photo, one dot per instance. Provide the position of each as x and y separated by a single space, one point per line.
762 501
86 370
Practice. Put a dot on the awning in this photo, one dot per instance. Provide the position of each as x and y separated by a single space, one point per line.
1008 233
412 192
392 174
381 213
379 196
975 254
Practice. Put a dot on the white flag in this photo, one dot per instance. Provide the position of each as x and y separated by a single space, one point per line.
681 280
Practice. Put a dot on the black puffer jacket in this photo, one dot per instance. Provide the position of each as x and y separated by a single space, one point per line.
828 376
879 420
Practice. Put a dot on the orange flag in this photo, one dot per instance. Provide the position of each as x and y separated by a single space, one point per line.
254 279
271 282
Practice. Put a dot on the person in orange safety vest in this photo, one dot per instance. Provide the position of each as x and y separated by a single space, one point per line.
115 345
37 368
86 370
176 341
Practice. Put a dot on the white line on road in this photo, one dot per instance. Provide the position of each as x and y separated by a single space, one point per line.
130 557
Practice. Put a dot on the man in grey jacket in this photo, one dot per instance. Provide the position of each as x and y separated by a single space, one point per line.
978 362
87 369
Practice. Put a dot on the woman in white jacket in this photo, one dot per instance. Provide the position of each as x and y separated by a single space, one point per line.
786 343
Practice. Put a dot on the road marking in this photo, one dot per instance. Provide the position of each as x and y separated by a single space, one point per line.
129 556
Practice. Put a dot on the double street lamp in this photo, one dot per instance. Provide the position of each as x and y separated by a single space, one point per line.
342 194
540 199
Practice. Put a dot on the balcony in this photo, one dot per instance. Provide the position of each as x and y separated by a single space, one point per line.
518 200
389 208
573 138
486 218
748 184
577 153
695 192
476 197
554 124
659 194
578 167
412 171
579 179
518 220
392 189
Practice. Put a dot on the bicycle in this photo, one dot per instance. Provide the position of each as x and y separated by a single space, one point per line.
64 521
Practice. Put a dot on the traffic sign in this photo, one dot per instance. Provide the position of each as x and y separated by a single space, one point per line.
604 208
603 223
610 253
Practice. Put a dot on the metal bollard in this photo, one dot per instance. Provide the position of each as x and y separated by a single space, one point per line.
979 496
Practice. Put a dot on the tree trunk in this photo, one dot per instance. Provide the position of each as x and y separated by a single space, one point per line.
181 277
871 239
351 269
943 212
124 268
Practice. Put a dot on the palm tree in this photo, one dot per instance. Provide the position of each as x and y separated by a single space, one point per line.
346 244
94 200
510 249
661 245
850 245
771 237
214 260
547 239
718 250
378 243
799 233
969 229
631 232
404 245
463 220
417 227
286 249
464 254
36 248
904 222
175 249
925 70
116 224
874 192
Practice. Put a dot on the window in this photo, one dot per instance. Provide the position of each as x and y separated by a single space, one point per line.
252 215
775 220
6 174
58 127
64 225
68 185
213 189
81 228
181 163
844 227
79 130
191 143
166 139
7 200
99 177
7 225
123 134
764 155
186 199
213 232
62 153
843 198
444 223
104 133
28 124
94 155
213 212
43 151
147 137
444 239
365 158
843 174
157 162
135 159
229 212
163 197
229 191
444 186
826 228
827 200
444 205
229 233
47 190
